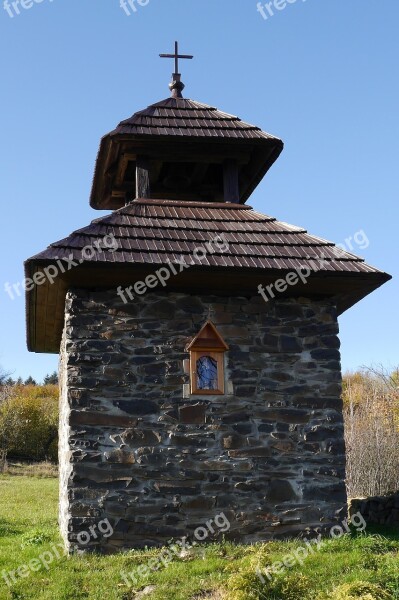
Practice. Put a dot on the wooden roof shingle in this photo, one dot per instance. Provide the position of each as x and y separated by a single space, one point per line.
148 234
183 117
157 232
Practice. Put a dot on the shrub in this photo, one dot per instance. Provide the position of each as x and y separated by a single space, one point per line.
371 408
295 587
360 590
29 422
246 585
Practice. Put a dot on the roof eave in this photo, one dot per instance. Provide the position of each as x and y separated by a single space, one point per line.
353 288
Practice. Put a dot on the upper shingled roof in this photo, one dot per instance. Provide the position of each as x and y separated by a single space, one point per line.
182 117
171 133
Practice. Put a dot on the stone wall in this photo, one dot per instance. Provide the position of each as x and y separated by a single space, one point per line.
158 464
380 510
64 450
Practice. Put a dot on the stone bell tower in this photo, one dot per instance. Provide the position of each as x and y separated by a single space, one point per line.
186 391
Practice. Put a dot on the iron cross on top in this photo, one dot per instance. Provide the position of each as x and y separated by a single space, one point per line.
176 56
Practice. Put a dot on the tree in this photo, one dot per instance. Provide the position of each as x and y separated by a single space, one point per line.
7 424
30 381
3 376
51 379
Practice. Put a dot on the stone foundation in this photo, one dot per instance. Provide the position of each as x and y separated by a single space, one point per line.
137 449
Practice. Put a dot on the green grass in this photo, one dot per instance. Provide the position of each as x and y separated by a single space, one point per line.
362 566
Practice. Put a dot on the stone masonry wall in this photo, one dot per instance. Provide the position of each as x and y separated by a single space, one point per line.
138 450
64 450
380 510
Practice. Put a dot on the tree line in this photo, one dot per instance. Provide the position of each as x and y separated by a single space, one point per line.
6 379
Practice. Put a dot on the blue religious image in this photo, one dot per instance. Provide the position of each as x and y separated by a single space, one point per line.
207 373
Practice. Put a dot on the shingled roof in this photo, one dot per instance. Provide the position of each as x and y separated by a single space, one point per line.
152 233
178 130
157 232
183 117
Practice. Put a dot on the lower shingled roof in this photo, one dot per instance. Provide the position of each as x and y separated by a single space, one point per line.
160 231
147 234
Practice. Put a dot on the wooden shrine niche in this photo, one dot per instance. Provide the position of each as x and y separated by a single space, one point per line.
207 361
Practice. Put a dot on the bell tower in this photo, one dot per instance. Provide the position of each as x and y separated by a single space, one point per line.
187 394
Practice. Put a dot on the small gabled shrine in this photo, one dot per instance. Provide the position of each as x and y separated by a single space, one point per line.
207 361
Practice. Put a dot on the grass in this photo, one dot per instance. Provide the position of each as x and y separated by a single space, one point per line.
362 566
41 469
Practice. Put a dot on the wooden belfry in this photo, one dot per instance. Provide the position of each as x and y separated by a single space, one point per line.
196 397
175 171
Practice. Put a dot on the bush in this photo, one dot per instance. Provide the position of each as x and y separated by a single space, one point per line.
360 591
29 422
371 409
246 585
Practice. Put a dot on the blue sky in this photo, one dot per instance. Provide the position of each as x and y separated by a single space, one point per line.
320 74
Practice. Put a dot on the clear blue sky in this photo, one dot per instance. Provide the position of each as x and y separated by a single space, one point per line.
322 75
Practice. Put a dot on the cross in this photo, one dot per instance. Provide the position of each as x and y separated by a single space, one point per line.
176 56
